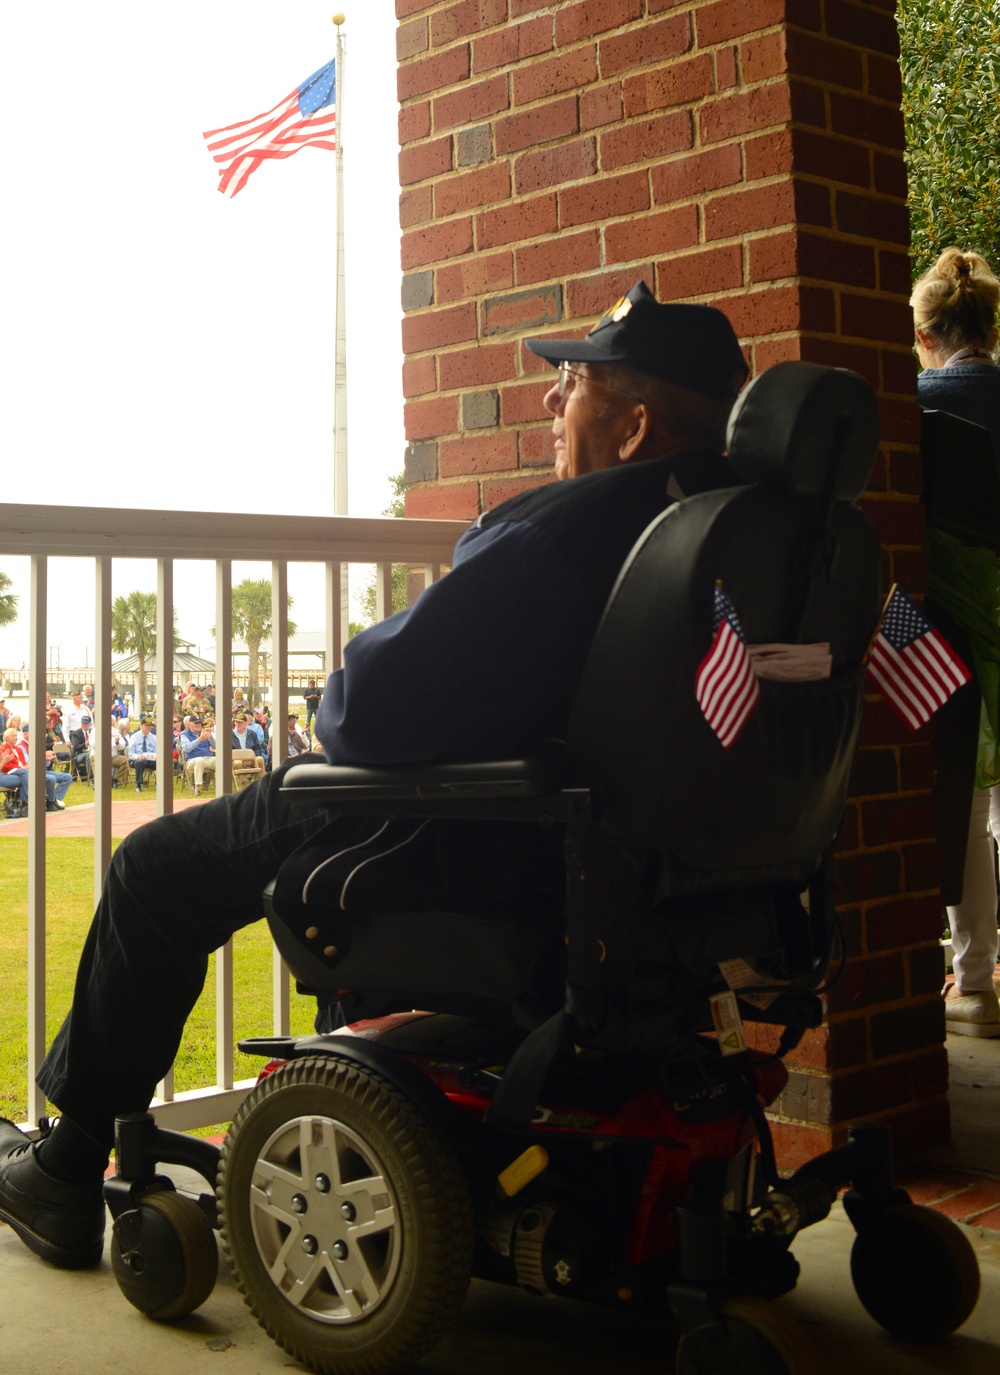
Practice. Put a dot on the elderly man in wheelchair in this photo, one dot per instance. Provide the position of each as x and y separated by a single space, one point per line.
547 873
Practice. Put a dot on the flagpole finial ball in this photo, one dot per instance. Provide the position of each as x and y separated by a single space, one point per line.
338 19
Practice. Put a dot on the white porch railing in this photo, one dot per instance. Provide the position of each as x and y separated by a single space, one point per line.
44 532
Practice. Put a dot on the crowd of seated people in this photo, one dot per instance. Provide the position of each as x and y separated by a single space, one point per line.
71 741
196 742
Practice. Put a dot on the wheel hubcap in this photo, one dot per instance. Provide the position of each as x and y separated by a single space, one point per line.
325 1219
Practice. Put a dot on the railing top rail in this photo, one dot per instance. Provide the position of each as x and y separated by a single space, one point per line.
97 531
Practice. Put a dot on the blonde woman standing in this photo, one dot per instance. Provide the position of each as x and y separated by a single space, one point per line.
955 323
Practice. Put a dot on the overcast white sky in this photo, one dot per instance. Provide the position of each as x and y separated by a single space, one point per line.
158 337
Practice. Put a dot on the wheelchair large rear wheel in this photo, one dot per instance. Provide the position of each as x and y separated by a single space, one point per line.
915 1271
346 1218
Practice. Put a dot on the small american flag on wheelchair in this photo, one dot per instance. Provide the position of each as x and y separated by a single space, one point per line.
912 664
725 683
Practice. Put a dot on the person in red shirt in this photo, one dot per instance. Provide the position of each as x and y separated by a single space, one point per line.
13 765
56 784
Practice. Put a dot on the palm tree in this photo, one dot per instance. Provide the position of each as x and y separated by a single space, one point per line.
252 624
133 631
8 601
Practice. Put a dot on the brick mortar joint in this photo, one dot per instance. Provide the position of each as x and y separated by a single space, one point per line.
906 498
629 27
831 1074
632 26
885 847
797 127
879 1115
894 795
873 907
866 905
904 1003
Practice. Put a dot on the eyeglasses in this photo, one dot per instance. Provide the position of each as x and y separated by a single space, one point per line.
566 372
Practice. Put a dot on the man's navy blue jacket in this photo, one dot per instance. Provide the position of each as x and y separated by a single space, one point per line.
485 664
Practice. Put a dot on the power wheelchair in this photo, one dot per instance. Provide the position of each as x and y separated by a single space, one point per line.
558 1095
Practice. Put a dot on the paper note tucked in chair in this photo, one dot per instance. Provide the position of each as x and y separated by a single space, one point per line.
791 663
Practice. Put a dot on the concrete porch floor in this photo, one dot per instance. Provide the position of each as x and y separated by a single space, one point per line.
77 1324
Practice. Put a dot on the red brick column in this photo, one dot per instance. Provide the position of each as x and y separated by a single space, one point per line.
747 153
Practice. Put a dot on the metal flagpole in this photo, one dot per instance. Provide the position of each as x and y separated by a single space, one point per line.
340 330
339 379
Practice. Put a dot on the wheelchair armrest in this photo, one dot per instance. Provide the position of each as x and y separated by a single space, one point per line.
508 788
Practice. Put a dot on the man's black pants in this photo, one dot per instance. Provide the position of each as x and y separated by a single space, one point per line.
175 890
141 767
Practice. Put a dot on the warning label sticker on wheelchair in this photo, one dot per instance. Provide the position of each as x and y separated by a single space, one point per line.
747 983
728 1026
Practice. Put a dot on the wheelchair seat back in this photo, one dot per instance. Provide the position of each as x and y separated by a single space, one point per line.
799 562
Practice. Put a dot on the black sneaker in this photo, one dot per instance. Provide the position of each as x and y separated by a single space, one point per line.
51 806
63 1223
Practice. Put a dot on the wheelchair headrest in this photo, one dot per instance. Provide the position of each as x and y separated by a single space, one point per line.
807 430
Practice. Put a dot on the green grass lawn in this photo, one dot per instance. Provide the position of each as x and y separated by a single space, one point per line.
79 794
69 893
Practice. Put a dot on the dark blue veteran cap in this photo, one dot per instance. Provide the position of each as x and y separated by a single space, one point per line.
690 345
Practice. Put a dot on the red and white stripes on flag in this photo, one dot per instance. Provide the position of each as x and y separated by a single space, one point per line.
912 664
725 683
307 117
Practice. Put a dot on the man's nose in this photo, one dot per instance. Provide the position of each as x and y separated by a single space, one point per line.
552 400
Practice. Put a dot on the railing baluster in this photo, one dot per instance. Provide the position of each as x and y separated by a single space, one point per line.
224 1039
165 1088
164 687
36 835
279 662
223 678
336 615
282 1010
101 725
165 718
383 591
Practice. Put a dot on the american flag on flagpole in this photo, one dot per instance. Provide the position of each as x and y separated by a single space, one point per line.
306 117
725 683
912 664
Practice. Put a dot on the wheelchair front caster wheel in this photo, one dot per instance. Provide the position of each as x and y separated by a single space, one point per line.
915 1271
751 1335
164 1256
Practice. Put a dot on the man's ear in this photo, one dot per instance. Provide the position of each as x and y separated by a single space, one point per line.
639 425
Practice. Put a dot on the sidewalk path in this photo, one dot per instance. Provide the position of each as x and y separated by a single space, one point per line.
79 821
